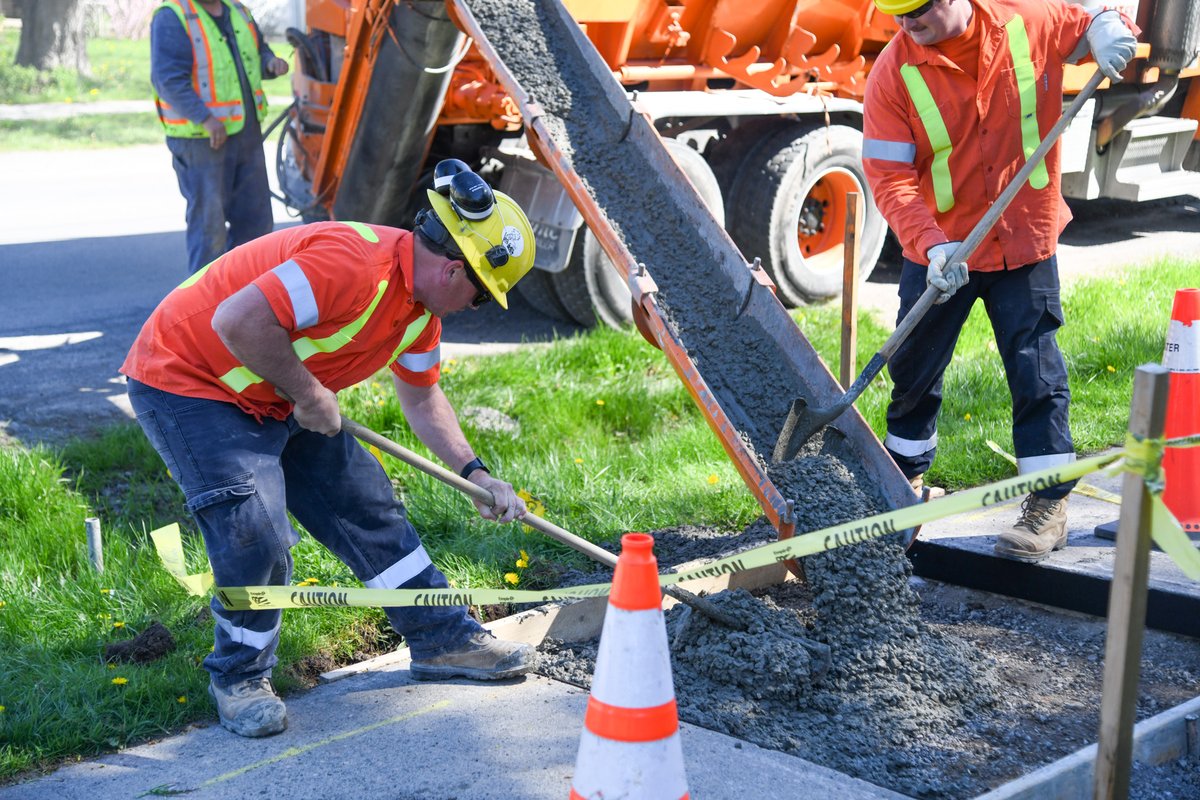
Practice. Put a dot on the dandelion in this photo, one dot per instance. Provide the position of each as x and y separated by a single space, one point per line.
118 624
68 100
599 402
181 699
2 709
94 92
451 361
967 416
111 666
106 591
712 479
120 681
1111 368
2 604
579 461
512 577
524 555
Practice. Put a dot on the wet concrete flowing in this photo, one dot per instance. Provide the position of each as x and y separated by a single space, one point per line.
894 686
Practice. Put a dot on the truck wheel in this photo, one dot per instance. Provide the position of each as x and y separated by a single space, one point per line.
607 289
539 292
572 289
788 202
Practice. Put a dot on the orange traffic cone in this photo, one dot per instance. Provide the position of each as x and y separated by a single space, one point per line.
630 744
1181 466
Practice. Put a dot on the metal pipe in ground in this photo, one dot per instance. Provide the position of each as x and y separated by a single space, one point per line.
95 543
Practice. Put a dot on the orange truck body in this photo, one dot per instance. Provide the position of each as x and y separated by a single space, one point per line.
746 84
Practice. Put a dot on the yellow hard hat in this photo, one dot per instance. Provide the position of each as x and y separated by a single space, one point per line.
899 6
498 245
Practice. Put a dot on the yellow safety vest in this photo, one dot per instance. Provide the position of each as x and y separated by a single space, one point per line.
935 127
214 75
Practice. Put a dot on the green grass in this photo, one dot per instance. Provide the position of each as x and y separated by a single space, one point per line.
120 70
609 441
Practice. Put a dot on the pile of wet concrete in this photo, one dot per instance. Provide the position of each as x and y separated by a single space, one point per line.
894 687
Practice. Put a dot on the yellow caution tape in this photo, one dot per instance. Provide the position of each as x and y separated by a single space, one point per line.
1184 441
170 549
1140 456
1086 489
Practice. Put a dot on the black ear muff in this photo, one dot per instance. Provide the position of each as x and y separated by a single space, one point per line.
470 196
432 228
445 170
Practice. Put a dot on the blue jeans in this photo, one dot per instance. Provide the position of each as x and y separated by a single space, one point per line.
1025 310
241 478
222 186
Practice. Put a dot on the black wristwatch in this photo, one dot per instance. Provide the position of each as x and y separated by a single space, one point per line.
472 465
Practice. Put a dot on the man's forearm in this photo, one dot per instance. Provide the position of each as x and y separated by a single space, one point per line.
433 420
250 330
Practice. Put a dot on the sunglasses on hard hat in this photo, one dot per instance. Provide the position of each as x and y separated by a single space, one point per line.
920 11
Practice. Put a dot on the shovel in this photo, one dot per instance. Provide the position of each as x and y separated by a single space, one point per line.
802 422
590 550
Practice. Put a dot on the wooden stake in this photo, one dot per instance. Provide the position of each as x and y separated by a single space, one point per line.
851 252
1127 598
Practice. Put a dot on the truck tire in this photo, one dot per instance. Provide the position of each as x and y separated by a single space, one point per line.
788 208
538 291
607 289
572 289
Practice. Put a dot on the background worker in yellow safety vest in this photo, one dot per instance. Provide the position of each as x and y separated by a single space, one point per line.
234 380
207 62
953 104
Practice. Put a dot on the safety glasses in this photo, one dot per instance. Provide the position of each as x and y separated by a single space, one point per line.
482 295
920 11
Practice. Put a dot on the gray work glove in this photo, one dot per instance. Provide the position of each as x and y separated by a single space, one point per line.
1111 42
947 280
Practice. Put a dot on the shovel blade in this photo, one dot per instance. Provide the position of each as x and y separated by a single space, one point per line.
802 424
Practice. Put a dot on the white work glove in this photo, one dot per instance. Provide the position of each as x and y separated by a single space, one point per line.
1111 42
947 281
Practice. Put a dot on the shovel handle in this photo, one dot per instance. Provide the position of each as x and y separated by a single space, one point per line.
981 229
476 492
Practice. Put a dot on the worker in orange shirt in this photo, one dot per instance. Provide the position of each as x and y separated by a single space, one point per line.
234 380
953 104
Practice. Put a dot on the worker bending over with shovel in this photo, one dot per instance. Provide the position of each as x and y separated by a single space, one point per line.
953 105
234 380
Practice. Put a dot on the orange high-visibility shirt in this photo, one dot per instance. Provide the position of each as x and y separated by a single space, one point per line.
983 120
347 286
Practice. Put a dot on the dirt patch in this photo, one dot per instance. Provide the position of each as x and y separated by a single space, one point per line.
149 645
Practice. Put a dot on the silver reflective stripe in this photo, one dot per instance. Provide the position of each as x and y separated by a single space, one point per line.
401 572
909 447
419 362
904 152
207 91
304 303
260 640
1034 463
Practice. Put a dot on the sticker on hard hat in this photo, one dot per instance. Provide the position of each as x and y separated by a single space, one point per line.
513 241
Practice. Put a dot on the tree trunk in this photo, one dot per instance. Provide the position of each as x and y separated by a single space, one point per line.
53 35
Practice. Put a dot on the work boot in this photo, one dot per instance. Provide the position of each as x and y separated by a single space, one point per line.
250 708
482 658
926 493
1041 529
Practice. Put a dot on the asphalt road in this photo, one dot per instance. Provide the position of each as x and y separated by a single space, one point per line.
90 241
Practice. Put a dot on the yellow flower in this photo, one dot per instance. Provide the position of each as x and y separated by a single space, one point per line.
111 666
105 591
599 402
579 461
2 709
118 624
524 555
68 100
967 416
522 563
1111 368
120 681
181 699
94 92
512 577
2 604
452 361
712 479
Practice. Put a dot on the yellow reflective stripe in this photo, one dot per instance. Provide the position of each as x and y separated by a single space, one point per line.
935 129
306 348
363 231
197 275
239 378
1018 47
415 328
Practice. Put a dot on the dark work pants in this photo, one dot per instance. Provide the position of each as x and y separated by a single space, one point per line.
1025 311
225 187
241 478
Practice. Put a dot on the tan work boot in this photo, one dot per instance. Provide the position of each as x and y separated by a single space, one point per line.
250 708
482 658
1041 529
926 493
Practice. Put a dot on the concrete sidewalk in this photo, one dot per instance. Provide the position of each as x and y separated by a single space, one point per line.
380 734
62 110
